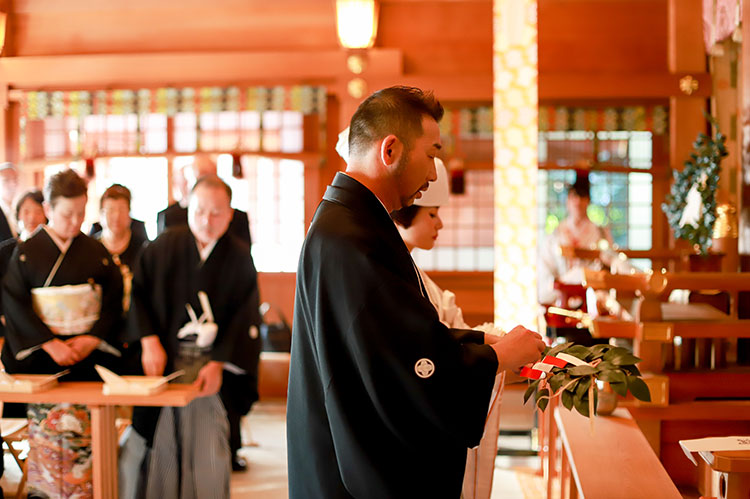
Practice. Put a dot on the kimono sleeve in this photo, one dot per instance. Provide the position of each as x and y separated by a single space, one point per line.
24 328
142 320
110 315
236 345
421 378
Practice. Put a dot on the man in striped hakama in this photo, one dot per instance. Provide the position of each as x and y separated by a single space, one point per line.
194 307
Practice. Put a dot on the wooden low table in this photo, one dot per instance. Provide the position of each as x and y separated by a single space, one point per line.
724 474
103 431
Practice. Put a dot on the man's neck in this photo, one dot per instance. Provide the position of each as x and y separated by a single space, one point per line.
380 186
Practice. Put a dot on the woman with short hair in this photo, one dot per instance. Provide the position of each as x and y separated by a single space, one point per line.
62 297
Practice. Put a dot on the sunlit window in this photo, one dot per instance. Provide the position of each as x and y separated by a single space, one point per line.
272 192
620 200
185 132
147 180
466 241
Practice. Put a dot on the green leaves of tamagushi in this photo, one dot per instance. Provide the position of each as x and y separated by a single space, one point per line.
616 366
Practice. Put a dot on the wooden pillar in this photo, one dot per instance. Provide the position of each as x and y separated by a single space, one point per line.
662 178
743 209
4 122
686 54
170 159
104 451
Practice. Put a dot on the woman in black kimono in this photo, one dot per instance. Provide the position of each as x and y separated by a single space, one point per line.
62 297
124 244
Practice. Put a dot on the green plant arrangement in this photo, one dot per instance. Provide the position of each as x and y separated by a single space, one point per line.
691 205
576 384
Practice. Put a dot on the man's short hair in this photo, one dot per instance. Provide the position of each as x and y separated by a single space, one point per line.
116 191
67 184
213 181
394 110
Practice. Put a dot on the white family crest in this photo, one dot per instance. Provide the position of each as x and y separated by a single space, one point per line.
424 368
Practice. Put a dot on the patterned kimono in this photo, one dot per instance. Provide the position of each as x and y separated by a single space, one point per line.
60 460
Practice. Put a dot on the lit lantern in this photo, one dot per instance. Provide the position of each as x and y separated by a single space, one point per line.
356 23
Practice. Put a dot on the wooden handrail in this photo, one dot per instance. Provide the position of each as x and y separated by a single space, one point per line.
661 282
593 254
616 461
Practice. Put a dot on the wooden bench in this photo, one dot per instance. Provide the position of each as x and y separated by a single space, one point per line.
273 375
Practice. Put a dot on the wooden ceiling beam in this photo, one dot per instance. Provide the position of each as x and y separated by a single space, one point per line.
182 69
581 85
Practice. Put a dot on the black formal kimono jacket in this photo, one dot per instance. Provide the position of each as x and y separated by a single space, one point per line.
383 400
169 274
137 229
5 231
85 261
7 248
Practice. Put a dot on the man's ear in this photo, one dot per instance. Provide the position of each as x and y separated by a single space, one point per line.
391 149
47 209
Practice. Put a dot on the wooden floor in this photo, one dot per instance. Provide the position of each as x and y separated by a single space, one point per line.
264 437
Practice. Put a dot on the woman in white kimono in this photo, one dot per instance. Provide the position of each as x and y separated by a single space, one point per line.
419 225
577 231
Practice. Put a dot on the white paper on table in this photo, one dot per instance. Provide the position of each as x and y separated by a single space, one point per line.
134 385
713 444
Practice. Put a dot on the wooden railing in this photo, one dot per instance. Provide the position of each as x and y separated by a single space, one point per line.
690 358
615 461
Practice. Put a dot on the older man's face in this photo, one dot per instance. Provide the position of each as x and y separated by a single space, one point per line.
418 169
209 213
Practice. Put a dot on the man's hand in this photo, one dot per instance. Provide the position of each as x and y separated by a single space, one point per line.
209 378
83 345
518 348
153 358
61 352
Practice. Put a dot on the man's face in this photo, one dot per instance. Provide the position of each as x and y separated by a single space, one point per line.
209 213
417 169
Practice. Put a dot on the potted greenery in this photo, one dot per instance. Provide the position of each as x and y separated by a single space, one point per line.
691 205
576 384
